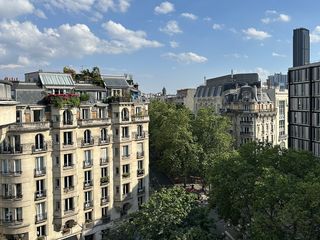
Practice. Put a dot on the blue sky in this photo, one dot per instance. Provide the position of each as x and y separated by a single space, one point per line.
161 43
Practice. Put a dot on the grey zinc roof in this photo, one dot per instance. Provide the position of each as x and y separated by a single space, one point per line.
29 96
115 82
56 79
88 87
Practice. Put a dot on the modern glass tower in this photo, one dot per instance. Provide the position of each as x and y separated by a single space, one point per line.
301 47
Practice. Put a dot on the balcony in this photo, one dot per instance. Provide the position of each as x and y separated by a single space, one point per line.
15 173
87 142
68 166
87 184
140 155
13 197
126 196
104 180
11 222
69 211
39 195
104 161
104 200
104 141
17 149
68 144
140 135
93 122
126 175
125 137
89 224
29 126
40 172
141 117
141 190
38 149
88 205
140 172
39 218
87 163
68 189
125 157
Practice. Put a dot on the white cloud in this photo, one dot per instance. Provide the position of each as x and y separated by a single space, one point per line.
164 8
105 5
71 5
236 55
173 44
14 8
217 26
274 16
274 54
252 33
186 57
128 39
39 13
315 35
124 5
189 16
25 43
171 28
263 73
10 66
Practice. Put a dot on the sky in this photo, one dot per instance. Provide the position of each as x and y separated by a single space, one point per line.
173 44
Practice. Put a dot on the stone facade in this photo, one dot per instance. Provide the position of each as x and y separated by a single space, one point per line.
69 170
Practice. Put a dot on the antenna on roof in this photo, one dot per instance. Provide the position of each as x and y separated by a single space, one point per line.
231 73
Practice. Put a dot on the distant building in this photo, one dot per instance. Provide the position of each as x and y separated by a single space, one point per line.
301 47
183 97
278 80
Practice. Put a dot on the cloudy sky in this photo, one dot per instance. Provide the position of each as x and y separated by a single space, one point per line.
162 43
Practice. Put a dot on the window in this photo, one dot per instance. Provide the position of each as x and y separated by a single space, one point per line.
117 189
56 138
104 192
12 214
117 170
87 177
125 188
41 231
18 116
68 182
126 168
67 160
87 158
40 188
37 115
101 112
40 211
11 190
140 149
104 211
57 182
125 132
140 183
104 172
67 117
5 166
57 206
104 154
116 152
87 136
125 151
16 166
139 131
85 113
125 114
88 216
40 168
140 164
103 134
39 142
68 204
67 138
138 110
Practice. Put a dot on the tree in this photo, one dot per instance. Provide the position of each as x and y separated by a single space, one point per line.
169 214
269 192
211 132
70 71
172 141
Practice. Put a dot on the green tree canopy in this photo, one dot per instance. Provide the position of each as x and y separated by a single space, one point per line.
269 192
171 213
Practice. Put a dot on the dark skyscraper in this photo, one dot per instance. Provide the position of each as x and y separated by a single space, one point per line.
301 47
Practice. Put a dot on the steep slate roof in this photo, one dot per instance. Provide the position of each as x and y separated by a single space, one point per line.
29 96
56 79
115 82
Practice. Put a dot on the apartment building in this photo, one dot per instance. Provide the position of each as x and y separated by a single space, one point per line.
252 114
76 158
184 97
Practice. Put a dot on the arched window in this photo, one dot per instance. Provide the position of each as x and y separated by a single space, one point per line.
87 136
39 142
125 114
67 117
103 135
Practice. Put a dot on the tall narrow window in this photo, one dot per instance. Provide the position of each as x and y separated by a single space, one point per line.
39 142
